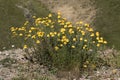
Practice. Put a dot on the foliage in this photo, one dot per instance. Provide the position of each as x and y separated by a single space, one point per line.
59 43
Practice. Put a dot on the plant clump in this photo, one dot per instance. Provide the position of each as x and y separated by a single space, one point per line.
60 43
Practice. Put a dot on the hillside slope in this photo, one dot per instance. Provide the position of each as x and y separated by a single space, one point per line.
73 10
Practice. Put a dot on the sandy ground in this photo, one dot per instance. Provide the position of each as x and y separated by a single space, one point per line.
73 10
14 64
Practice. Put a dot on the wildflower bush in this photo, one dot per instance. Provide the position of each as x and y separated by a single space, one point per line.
60 43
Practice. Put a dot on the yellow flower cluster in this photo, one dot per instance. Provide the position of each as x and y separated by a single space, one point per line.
40 34
64 40
61 31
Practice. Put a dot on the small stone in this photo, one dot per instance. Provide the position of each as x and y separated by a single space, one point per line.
98 72
6 54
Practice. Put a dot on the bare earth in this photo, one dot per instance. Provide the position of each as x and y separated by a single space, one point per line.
73 10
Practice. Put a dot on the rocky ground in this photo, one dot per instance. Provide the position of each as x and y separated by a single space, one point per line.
14 66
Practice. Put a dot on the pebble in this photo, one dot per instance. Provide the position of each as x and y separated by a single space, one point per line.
6 54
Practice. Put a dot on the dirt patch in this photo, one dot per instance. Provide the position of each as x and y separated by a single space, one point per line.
73 10
13 64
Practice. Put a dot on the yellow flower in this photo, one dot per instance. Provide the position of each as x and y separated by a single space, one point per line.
68 23
52 34
65 26
87 28
98 45
48 35
49 21
83 33
97 38
34 17
84 47
52 26
97 33
70 26
105 42
87 25
12 29
64 19
30 31
38 41
67 40
33 37
92 35
20 34
56 48
59 16
81 22
25 47
74 39
65 43
55 33
63 37
62 30
78 28
42 21
90 29
100 41
85 66
71 31
20 29
50 15
101 38
62 23
59 13
85 40
40 34
58 34
28 35
32 28
61 45
59 21
73 46
47 24
26 23
81 39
